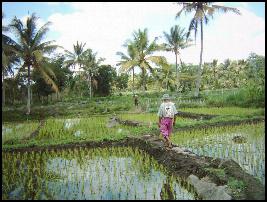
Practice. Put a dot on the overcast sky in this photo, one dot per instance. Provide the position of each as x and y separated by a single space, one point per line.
104 27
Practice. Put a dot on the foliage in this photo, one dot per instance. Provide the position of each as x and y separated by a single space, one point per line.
236 186
121 81
105 79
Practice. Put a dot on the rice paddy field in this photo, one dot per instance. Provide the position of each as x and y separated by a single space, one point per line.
233 111
120 172
245 144
18 131
106 173
72 130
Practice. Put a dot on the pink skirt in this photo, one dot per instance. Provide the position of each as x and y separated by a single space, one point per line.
166 126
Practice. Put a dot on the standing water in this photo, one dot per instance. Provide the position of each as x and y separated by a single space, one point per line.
99 173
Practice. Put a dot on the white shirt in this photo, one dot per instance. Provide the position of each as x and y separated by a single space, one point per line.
167 109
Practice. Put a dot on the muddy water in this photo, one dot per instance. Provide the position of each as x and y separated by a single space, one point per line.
106 173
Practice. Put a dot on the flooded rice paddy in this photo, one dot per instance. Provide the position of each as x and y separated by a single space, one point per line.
248 152
99 173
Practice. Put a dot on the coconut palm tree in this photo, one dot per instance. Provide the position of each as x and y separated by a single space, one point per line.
176 41
165 76
9 58
128 62
90 65
202 10
31 48
74 58
144 53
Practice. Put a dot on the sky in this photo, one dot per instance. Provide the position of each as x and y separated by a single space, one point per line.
105 27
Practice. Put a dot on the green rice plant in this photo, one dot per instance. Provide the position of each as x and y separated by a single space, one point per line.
218 142
65 176
237 111
12 132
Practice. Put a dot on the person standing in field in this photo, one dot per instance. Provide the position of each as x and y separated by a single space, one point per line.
166 114
136 100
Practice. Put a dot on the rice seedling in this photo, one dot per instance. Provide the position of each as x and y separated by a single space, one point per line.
238 111
220 143
92 174
12 132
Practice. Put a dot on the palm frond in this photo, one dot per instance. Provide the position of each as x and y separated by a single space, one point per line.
226 9
48 79
40 34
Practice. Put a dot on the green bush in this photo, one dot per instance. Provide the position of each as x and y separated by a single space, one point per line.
250 96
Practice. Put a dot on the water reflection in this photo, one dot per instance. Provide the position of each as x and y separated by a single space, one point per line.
114 173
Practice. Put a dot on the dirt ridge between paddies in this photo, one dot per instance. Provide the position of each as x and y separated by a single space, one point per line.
180 164
200 126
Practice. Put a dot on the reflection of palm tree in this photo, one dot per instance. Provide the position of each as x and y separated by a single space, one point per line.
167 192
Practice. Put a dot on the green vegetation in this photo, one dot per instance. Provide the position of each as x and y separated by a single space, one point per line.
234 111
76 106
218 142
218 172
101 173
13 133
236 186
63 131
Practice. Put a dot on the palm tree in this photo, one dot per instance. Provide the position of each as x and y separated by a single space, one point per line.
202 10
165 76
128 62
144 53
9 58
74 58
90 65
176 41
31 49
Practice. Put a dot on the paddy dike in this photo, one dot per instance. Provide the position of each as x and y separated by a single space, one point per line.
186 164
195 116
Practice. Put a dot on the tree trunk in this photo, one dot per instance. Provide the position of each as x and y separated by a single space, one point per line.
167 86
13 97
29 92
177 80
200 64
3 92
90 86
133 80
31 97
144 82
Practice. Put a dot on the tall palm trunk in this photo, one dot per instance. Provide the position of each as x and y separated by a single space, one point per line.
144 81
177 81
133 80
200 63
29 92
167 86
90 85
3 92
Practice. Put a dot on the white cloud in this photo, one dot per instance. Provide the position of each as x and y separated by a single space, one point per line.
234 36
106 26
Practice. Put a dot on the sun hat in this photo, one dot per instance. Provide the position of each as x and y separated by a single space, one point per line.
166 97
